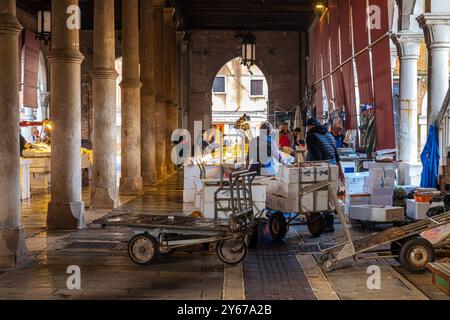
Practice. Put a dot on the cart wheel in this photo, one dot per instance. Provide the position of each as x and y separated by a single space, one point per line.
232 251
278 226
143 249
325 257
328 266
316 224
415 254
254 237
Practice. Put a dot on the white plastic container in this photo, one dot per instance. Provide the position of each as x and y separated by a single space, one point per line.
417 210
377 213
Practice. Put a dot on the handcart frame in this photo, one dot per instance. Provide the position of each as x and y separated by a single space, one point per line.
280 222
157 235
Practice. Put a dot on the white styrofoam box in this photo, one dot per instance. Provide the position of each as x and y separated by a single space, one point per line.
417 210
381 201
322 173
377 213
381 192
348 166
379 182
380 165
355 188
356 178
334 172
258 193
290 174
276 202
286 190
382 173
188 195
409 172
193 171
198 200
40 165
271 185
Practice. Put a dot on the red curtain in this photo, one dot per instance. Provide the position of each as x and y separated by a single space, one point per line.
347 69
325 35
318 100
32 47
361 41
338 80
382 78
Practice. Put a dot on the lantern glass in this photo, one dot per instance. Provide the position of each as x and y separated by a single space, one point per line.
44 21
248 50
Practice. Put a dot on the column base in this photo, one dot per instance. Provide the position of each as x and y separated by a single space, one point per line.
162 173
104 198
66 215
13 250
131 186
148 178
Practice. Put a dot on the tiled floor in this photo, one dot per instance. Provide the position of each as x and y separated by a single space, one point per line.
271 271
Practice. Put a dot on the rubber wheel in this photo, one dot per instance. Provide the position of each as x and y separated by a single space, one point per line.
143 249
328 266
254 237
278 226
415 254
232 251
316 224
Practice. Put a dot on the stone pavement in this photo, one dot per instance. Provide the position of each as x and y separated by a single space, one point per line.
271 271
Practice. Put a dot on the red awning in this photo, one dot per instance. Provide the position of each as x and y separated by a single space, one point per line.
30 85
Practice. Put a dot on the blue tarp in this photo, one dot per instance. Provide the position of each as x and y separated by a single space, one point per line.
430 159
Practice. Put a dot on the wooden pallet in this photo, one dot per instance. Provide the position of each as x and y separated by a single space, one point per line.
441 276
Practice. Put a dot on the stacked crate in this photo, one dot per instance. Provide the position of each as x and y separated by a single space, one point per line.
380 183
283 192
444 181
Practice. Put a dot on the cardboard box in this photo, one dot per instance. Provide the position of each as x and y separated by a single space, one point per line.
359 199
417 210
377 213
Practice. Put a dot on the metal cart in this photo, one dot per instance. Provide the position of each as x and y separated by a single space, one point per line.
408 244
279 222
160 235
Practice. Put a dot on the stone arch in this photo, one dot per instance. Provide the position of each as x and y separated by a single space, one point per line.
277 55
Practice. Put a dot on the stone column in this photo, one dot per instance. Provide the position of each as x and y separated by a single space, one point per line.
104 193
436 27
185 82
408 46
180 36
148 98
12 238
66 209
160 74
131 180
169 41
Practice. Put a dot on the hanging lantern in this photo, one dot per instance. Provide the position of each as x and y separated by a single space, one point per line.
44 23
320 8
248 50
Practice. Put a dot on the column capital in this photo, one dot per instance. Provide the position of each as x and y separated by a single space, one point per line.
10 25
408 44
436 27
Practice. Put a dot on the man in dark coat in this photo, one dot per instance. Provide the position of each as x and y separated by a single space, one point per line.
322 147
321 143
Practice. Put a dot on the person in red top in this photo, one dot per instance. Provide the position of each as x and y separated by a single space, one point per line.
286 138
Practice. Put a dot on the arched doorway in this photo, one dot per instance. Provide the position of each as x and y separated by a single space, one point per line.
237 91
